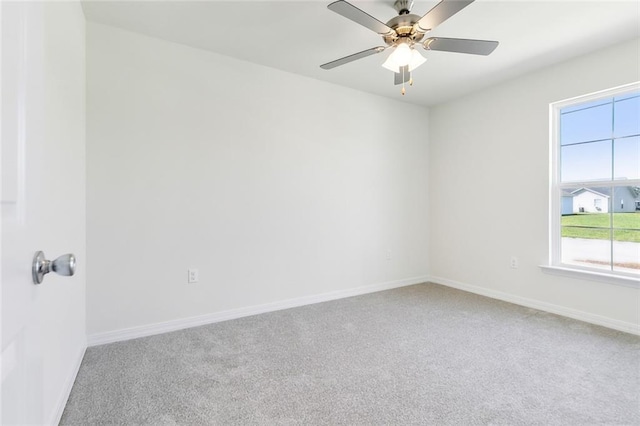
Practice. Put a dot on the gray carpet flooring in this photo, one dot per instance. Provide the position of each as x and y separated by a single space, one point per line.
424 354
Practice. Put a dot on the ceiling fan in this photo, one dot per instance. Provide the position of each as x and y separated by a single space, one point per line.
404 32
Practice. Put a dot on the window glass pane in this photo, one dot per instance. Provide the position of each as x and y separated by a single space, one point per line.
623 221
594 251
586 105
599 140
588 161
625 205
627 117
626 250
586 234
587 207
587 124
626 158
627 96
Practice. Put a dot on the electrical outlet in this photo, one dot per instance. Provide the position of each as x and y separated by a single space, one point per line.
514 262
192 276
388 255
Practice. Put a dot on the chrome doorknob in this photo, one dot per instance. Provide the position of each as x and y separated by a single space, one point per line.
64 265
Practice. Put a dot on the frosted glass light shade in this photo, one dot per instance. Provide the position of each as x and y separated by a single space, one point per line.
390 64
416 60
401 56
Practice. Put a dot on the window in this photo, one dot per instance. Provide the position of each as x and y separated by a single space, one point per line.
595 185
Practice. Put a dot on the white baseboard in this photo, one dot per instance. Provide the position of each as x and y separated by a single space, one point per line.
179 324
66 391
627 327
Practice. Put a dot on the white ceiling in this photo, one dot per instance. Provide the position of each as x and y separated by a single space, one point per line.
298 36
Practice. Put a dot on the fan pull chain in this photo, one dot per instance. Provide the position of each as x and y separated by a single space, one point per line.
403 91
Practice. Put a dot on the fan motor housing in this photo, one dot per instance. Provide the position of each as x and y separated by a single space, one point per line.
404 26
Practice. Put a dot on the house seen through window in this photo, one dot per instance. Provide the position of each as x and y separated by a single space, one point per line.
596 182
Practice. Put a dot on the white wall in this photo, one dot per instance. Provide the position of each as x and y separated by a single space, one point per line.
494 145
274 185
43 113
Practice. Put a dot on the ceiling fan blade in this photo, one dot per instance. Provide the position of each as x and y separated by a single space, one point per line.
459 45
352 58
359 16
402 77
441 12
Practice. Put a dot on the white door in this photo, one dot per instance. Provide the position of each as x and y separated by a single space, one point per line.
43 205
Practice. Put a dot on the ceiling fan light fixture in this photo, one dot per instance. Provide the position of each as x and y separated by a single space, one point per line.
401 55
400 34
391 65
407 56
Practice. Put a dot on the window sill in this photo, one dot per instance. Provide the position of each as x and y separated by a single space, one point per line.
602 277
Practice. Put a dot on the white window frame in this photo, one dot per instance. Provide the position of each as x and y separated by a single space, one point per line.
555 265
